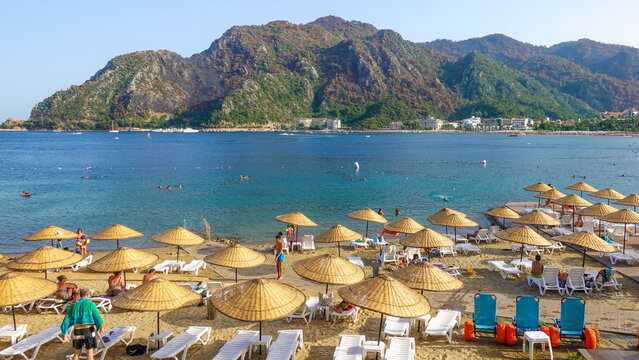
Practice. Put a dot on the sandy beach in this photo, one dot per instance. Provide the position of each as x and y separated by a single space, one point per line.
608 310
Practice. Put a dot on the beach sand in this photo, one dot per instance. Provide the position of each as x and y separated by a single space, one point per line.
609 309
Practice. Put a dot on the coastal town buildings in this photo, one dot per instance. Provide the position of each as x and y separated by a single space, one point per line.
472 122
333 124
522 124
396 125
611 114
429 123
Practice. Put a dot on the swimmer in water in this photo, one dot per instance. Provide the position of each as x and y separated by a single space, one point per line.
25 193
159 187
363 179
179 186
168 187
445 198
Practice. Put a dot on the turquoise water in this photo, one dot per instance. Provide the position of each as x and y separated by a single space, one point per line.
303 172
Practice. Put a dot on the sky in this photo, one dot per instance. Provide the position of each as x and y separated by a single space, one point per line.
46 46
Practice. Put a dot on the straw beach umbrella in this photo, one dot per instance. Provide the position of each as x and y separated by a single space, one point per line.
297 219
178 236
609 194
538 188
630 200
45 258
236 256
18 288
573 201
258 300
367 215
388 296
51 232
404 226
582 187
503 212
156 295
427 277
427 239
123 259
116 232
587 240
523 235
625 216
338 233
437 217
537 218
597 210
455 221
328 269
551 195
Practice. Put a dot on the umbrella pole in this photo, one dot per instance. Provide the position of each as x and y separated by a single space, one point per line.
260 337
326 288
51 242
236 275
117 241
339 251
379 333
583 263
419 323
124 274
521 258
13 313
366 228
624 238
573 219
178 253
157 342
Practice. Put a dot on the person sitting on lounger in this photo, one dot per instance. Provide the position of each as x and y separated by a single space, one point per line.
150 276
416 260
66 290
469 235
116 284
579 222
342 307
537 267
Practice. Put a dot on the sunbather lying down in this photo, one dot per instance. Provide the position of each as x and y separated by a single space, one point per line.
343 306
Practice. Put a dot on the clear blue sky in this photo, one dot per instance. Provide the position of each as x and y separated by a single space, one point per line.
49 45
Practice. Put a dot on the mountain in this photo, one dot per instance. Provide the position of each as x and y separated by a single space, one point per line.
270 75
605 76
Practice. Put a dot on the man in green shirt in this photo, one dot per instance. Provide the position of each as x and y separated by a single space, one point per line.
83 315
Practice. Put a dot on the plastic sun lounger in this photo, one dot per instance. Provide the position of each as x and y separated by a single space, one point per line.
526 313
400 348
556 245
285 346
614 257
466 248
575 281
115 335
396 326
51 303
237 347
7 332
182 342
572 322
356 260
350 347
82 263
352 313
504 269
612 281
548 281
26 307
194 266
103 303
485 315
358 243
168 266
32 342
443 324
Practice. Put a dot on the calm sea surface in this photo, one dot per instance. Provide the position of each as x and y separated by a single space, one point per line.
303 172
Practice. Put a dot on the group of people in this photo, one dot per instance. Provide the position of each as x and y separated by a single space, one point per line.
381 212
169 187
81 242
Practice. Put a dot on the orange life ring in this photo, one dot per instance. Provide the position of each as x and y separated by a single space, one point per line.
590 339
469 329
501 334
511 335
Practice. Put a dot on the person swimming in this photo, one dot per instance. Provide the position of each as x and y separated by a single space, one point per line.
168 187
445 198
25 193
159 187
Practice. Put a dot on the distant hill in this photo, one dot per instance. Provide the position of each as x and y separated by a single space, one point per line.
270 75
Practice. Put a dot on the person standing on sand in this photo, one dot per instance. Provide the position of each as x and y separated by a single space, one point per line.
83 315
279 255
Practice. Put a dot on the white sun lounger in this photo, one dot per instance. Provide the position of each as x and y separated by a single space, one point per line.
108 339
548 281
237 347
103 303
560 231
194 266
447 250
614 257
305 311
356 260
396 326
82 263
26 307
482 235
443 324
32 342
504 269
51 303
352 313
182 342
358 243
400 348
575 281
284 347
168 266
528 249
612 281
7 332
556 245
466 248
350 347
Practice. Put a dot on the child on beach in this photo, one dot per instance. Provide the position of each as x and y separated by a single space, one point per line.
279 255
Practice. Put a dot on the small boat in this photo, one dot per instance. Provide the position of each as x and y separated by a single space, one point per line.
513 135
113 128
190 130
356 166
367 136
77 133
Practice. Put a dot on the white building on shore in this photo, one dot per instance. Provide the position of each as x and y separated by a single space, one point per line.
472 122
430 123
333 124
522 123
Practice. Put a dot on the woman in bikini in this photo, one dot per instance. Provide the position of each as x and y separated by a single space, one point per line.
66 290
116 284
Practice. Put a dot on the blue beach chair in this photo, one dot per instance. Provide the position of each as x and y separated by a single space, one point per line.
526 313
572 322
485 316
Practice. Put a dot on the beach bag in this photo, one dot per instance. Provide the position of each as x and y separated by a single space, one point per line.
511 335
590 339
546 331
501 334
469 329
135 350
554 337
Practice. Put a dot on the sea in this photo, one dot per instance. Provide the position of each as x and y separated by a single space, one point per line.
239 181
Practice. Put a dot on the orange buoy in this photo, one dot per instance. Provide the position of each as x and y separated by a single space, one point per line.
501 334
511 335
469 329
590 339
